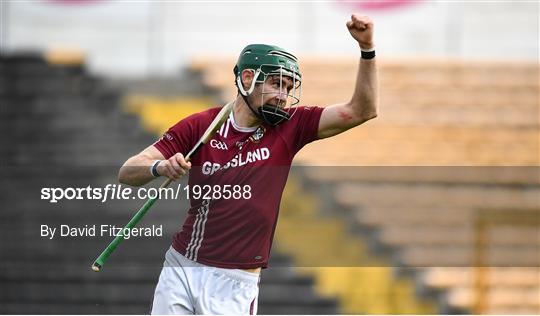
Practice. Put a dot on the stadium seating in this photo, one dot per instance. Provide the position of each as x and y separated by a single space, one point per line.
63 127
441 189
341 262
157 115
402 215
437 112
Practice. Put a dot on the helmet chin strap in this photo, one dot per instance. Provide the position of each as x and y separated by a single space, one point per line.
271 115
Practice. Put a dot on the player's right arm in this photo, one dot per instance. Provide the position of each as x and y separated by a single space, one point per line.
136 170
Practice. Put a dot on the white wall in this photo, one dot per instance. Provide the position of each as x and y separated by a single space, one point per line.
136 38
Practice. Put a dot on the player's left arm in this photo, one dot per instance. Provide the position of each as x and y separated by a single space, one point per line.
362 107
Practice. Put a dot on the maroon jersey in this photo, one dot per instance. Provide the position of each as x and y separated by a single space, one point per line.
226 231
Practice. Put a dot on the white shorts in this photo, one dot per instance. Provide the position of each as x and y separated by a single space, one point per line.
186 287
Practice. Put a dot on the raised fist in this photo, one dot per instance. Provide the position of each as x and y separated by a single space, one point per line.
361 29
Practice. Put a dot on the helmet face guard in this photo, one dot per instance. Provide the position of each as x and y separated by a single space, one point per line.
270 63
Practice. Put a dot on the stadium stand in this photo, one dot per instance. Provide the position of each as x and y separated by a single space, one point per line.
435 203
63 127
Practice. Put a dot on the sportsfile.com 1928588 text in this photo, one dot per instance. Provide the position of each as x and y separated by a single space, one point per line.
119 192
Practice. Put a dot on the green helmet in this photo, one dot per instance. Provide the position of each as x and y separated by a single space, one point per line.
264 61
267 60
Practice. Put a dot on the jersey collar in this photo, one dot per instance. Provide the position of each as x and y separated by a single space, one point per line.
240 128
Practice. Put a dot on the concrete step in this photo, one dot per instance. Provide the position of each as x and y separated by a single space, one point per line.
38 272
75 308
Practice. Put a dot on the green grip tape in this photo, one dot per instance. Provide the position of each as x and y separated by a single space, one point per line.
100 261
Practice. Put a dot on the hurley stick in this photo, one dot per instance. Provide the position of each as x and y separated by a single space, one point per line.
220 118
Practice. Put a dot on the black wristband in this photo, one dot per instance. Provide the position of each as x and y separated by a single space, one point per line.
153 170
368 55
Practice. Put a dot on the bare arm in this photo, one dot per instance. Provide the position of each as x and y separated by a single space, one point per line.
136 170
362 107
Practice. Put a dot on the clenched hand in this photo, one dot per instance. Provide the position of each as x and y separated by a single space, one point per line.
361 29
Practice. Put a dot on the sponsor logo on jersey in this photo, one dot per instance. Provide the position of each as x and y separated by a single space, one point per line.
239 160
218 144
